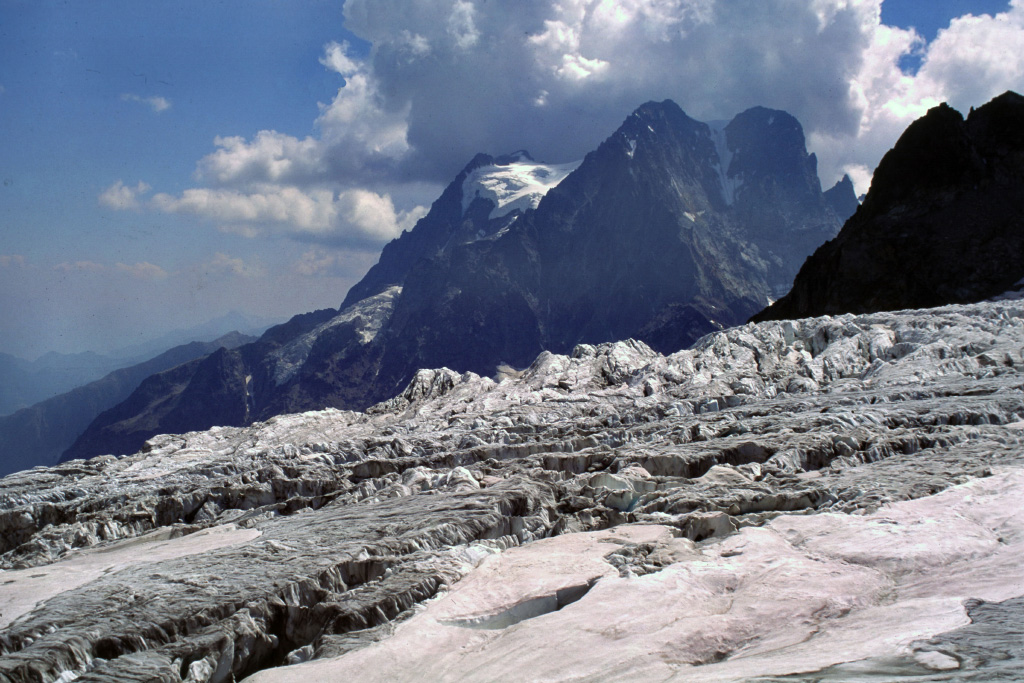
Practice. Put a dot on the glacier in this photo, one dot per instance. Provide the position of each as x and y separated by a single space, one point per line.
517 185
832 498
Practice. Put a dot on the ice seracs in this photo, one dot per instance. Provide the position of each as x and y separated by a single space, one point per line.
519 184
827 497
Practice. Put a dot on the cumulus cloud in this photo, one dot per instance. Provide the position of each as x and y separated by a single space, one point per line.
359 139
143 270
557 76
336 58
971 61
121 197
446 79
355 217
316 189
228 265
80 267
156 103
977 57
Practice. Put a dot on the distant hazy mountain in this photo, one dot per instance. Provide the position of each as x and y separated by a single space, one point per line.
39 434
24 382
672 228
234 321
943 222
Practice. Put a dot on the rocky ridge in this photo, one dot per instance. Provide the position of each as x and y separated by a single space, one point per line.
942 222
39 434
848 452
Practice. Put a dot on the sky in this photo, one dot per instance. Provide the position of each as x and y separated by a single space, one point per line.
164 163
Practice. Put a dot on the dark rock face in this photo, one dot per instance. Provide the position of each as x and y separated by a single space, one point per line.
38 435
669 230
942 223
779 202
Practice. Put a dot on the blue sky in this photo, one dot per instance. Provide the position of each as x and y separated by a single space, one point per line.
162 163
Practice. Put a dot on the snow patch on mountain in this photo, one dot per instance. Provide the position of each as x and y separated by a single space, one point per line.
368 316
730 184
517 185
632 147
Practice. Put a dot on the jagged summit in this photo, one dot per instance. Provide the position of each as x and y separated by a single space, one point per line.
943 221
842 197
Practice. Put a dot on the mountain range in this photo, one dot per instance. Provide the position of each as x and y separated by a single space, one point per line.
670 229
39 434
24 383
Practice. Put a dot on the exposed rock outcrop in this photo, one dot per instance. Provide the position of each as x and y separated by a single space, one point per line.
784 497
943 221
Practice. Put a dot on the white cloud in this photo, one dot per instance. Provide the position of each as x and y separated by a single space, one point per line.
122 197
312 188
446 79
358 139
977 57
12 260
356 216
315 262
461 24
80 267
143 270
968 63
311 213
156 103
336 59
557 76
228 265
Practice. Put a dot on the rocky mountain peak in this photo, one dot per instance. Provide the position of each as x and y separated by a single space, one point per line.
768 142
658 127
934 152
843 198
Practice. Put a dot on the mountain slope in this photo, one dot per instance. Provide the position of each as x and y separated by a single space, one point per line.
672 228
206 391
943 221
24 383
37 435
